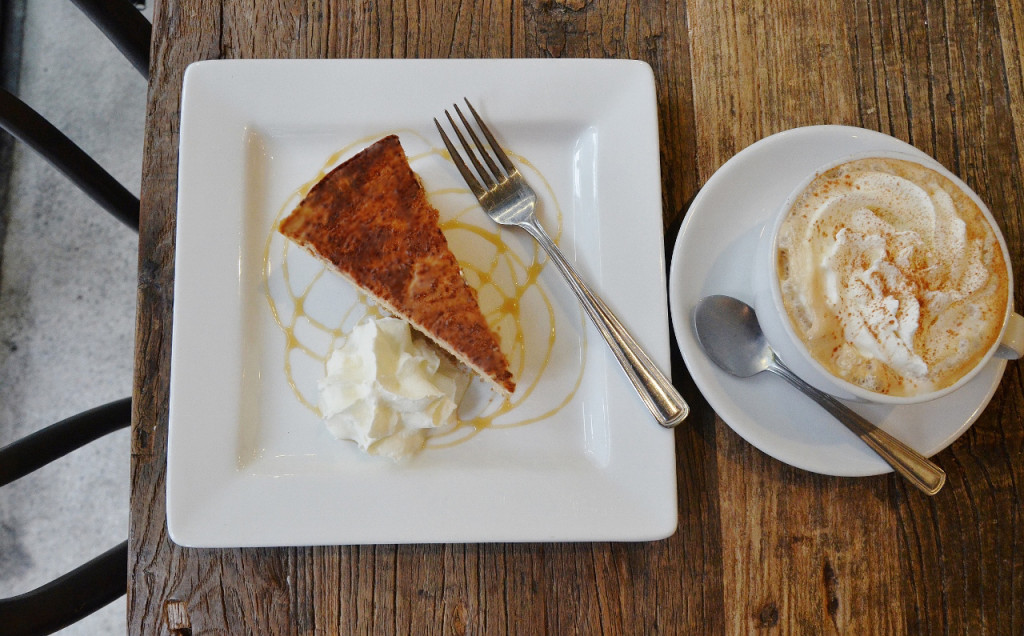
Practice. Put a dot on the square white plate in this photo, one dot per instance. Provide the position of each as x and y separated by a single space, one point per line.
249 464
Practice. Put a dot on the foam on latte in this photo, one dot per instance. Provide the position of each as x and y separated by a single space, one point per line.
892 276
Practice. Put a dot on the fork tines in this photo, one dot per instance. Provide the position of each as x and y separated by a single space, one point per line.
492 174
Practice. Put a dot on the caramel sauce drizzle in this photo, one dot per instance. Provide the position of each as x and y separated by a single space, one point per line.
506 312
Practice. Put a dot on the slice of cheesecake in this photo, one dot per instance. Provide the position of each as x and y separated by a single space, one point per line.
369 219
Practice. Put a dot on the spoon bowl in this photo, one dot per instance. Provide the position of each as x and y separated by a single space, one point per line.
729 333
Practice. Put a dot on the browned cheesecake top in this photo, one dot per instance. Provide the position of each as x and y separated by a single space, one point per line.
369 218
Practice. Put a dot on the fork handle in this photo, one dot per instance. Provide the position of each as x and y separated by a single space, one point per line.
654 388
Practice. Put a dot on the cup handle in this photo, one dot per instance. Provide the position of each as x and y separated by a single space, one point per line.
1011 347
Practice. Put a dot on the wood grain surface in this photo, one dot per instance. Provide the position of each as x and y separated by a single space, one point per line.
761 547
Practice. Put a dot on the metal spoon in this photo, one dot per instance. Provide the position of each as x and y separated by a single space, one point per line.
728 331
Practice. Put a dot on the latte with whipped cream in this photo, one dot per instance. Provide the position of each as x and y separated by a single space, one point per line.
892 276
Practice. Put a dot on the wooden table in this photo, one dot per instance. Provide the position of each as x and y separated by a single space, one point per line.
760 545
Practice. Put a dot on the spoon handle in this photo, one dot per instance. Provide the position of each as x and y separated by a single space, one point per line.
905 460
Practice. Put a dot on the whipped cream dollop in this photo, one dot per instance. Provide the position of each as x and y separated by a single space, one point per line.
385 389
890 275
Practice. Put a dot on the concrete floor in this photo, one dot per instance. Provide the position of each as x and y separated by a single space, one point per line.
67 304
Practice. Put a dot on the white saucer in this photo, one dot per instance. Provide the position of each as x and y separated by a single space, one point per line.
714 255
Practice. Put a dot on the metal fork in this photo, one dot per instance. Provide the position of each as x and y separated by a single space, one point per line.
509 200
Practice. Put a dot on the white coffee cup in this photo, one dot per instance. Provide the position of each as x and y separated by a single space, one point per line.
781 334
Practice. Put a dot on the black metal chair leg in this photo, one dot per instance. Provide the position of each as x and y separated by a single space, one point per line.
29 126
69 598
125 26
20 458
